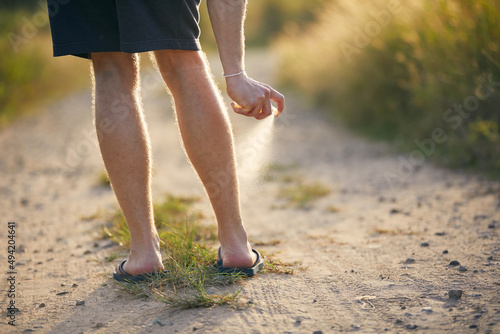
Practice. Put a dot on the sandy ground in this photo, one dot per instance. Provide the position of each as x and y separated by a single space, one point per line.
381 263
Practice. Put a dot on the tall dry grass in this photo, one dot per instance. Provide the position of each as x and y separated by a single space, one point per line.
424 74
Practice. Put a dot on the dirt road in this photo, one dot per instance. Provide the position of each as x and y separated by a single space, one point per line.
377 248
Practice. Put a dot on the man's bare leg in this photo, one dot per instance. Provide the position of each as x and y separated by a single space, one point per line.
208 141
125 149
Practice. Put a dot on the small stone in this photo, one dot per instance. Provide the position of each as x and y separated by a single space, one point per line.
454 263
80 302
399 322
492 224
74 285
62 284
411 326
427 309
394 211
87 252
440 233
473 326
62 293
489 258
98 325
462 269
318 332
157 322
41 305
424 244
477 316
455 294
410 260
445 251
403 307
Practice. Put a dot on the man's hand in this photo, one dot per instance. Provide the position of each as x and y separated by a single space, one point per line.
252 98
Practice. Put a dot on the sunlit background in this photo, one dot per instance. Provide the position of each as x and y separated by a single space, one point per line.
423 74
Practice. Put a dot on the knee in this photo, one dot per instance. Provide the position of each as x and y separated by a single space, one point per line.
115 68
174 63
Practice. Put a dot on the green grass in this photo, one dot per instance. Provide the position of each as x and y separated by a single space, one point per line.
189 257
401 85
300 193
103 179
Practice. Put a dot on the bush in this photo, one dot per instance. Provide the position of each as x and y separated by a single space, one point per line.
403 70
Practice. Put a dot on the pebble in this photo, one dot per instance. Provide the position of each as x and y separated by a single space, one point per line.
74 285
409 260
87 252
427 309
80 302
454 263
318 332
462 268
424 244
445 251
473 326
492 224
41 305
62 293
455 294
411 326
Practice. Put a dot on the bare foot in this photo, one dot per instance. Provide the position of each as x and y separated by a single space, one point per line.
141 264
237 256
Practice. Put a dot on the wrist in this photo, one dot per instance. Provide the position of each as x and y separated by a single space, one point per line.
232 75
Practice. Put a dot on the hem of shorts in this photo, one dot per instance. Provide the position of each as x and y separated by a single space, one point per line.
85 49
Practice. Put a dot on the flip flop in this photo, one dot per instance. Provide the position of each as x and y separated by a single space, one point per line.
259 263
123 276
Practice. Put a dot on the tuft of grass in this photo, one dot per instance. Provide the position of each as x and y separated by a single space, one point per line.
188 257
301 193
113 256
103 179
394 232
332 209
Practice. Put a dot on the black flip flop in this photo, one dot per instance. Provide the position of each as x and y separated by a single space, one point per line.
259 263
123 276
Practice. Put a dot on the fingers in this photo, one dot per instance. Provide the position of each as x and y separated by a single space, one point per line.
256 101
279 99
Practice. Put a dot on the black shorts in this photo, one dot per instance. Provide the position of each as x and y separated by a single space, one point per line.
80 27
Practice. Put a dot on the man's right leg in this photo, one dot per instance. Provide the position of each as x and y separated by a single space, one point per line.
125 149
208 141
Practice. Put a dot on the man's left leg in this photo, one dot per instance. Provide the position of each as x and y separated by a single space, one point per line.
124 144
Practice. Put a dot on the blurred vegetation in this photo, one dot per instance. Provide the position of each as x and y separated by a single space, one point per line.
29 75
266 19
400 70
